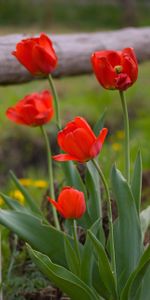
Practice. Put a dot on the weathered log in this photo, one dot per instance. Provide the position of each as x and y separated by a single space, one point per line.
74 51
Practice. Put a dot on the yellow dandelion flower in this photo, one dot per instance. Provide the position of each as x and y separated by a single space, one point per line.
116 147
1 201
26 181
40 184
17 195
120 134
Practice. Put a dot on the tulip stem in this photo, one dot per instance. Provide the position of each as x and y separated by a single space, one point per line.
126 143
56 101
50 175
76 242
109 213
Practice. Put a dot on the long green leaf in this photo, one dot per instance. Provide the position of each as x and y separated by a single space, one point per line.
43 238
25 193
136 184
145 292
105 270
127 231
87 255
93 187
71 257
62 278
100 123
135 279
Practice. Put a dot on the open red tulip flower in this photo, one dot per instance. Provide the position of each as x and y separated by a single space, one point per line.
79 141
36 54
70 204
34 110
115 69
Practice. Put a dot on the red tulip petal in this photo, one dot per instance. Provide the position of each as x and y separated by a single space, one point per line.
24 54
12 114
130 68
104 72
114 58
43 60
96 147
131 53
81 122
64 157
46 43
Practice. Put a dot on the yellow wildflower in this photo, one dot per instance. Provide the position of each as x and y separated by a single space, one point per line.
26 181
1 201
120 134
116 147
17 195
40 184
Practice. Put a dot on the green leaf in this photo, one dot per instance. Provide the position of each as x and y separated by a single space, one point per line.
145 292
87 255
25 193
93 187
105 270
135 279
14 204
62 278
127 231
100 123
71 257
73 177
136 184
41 237
145 220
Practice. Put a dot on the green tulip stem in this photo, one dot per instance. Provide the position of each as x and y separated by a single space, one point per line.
75 237
50 175
56 101
126 129
109 213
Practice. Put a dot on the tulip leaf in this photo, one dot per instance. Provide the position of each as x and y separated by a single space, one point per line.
25 193
14 204
145 291
136 184
127 231
93 186
44 238
105 270
62 278
71 257
87 255
136 278
100 123
72 176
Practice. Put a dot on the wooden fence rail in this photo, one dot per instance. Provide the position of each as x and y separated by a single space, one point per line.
74 51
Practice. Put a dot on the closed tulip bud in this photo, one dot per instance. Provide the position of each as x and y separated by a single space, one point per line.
37 55
70 204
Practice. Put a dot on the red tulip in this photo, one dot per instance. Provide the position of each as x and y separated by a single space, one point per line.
115 69
70 204
34 110
79 141
37 55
